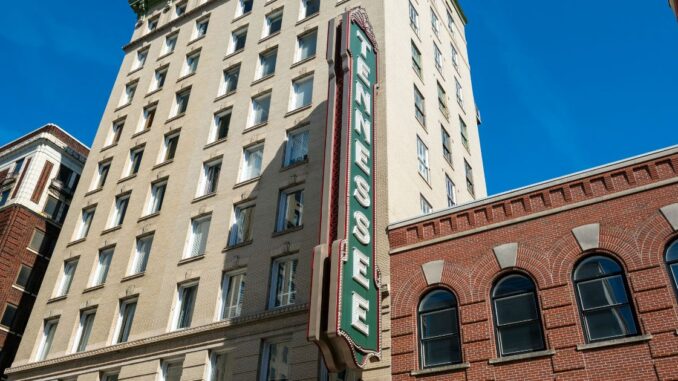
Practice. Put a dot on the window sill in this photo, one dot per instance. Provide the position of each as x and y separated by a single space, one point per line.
130 177
233 247
270 36
164 55
262 79
164 163
287 231
214 143
77 241
301 62
233 54
440 369
307 18
109 147
614 342
191 259
224 96
133 276
294 165
256 126
152 92
122 106
189 75
193 41
93 288
139 133
148 216
203 197
23 290
242 16
93 191
298 110
175 117
522 356
56 299
109 230
245 182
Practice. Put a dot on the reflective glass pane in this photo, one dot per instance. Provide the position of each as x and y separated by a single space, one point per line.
521 338
441 352
602 292
672 252
674 271
516 309
595 267
439 323
436 300
512 284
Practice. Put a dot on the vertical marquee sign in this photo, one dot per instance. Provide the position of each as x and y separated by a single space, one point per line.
345 300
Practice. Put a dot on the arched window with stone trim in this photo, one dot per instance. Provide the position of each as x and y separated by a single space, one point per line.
672 263
439 339
603 298
517 320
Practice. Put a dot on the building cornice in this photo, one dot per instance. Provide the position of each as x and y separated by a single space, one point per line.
57 135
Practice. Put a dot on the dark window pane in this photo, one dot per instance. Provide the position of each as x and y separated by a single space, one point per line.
8 316
674 271
439 323
512 284
521 338
610 323
516 309
672 252
438 299
595 267
441 351
602 292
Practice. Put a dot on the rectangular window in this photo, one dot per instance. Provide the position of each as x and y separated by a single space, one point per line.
37 241
180 9
116 131
251 162
102 174
210 178
459 93
241 229
181 102
157 197
463 131
170 147
455 56
23 278
201 28
419 110
128 95
422 157
171 371
424 205
232 292
230 83
140 60
55 209
66 277
442 101
141 253
4 196
48 330
125 319
222 123
259 109
8 316
435 23
152 23
469 178
438 58
447 145
197 241
159 79
103 266
147 117
273 23
309 8
244 7
275 360
86 218
170 43
135 156
238 40
221 366
306 45
267 63
301 94
121 203
283 285
84 329
296 147
191 66
414 18
416 60
185 305
450 191
67 177
290 210
450 21
110 377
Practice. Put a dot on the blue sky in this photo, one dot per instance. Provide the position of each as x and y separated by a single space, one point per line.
562 85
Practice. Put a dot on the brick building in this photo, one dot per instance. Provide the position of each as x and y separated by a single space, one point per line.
38 173
568 279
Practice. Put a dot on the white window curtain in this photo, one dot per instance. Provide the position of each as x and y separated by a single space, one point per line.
103 266
142 252
199 237
297 147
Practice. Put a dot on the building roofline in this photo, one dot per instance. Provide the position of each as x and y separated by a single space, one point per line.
47 128
538 186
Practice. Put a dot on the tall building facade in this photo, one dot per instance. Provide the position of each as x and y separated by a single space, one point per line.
187 254
575 278
38 175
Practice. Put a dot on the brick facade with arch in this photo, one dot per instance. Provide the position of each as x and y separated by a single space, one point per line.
627 211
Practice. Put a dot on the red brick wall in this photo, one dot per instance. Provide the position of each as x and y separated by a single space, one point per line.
632 229
16 230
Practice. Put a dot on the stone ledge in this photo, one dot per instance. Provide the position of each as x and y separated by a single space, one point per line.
522 356
440 369
614 342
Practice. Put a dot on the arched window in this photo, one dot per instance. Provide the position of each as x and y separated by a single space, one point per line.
603 299
517 320
672 262
439 341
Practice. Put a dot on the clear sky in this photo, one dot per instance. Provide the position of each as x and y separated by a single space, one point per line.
562 85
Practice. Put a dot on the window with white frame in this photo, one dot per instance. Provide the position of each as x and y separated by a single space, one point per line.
463 131
450 191
201 28
442 100
66 280
126 313
259 109
447 144
308 8
24 280
170 43
222 123
273 23
152 23
238 40
157 197
414 18
438 58
159 79
169 148
183 315
469 178
422 157
230 80
135 157
252 158
181 102
283 284
455 56
290 210
128 95
296 147
301 93
172 370
142 251
147 117
419 109
197 237
267 63
48 331
275 360
243 7
306 45
435 23
416 59
180 9
103 266
140 59
209 181
242 227
459 92
424 205
120 210
116 131
221 366
232 292
84 329
86 217
450 21
191 66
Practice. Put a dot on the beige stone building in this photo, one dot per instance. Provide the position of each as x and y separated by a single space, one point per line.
187 252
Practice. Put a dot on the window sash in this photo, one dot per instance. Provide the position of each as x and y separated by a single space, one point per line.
302 91
67 277
85 330
414 18
241 231
126 320
143 250
230 80
222 124
276 361
186 305
290 210
422 156
103 266
307 45
47 338
171 144
260 109
285 286
252 161
158 196
199 232
211 178
296 149
233 290
120 210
